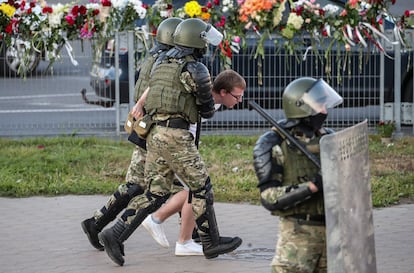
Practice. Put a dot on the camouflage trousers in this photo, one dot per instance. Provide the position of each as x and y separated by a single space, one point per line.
300 248
135 175
172 153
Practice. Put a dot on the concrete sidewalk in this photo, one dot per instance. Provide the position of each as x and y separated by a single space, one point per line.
41 235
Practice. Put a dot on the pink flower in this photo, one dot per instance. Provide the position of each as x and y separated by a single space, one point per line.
69 19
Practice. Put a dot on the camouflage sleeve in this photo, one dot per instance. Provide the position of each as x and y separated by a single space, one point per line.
188 82
268 164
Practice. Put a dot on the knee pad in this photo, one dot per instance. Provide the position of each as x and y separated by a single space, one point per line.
134 190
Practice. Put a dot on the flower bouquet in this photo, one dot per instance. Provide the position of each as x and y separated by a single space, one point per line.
386 128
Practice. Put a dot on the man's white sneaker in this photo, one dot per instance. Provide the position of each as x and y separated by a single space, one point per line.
190 248
156 231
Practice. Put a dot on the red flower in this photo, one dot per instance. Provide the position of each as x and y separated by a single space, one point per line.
299 10
9 29
47 9
95 12
225 49
216 2
209 5
145 6
75 10
322 12
222 22
106 3
82 10
407 13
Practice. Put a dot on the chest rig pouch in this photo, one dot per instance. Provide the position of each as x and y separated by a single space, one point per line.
142 126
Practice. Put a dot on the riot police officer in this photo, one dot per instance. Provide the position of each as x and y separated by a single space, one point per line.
180 91
290 183
135 183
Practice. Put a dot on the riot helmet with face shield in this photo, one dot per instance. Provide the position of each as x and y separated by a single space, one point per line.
309 99
195 33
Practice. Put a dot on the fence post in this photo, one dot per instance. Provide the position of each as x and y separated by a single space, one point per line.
117 94
131 68
382 74
397 89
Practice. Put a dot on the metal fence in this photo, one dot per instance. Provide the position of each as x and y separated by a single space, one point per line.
50 102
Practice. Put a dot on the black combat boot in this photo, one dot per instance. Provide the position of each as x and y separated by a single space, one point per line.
224 245
91 230
213 243
113 245
92 227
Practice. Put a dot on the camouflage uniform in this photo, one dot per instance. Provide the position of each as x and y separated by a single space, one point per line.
171 149
180 93
135 173
135 183
301 245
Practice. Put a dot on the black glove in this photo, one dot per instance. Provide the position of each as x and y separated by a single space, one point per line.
317 180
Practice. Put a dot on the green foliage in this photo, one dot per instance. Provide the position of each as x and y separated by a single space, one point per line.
76 165
64 165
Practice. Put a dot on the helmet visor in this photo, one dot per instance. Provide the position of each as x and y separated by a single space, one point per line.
320 97
211 35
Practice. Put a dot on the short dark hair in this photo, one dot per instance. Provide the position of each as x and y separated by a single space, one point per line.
227 80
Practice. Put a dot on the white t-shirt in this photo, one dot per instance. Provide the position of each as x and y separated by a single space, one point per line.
193 127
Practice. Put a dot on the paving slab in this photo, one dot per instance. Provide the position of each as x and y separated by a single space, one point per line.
43 234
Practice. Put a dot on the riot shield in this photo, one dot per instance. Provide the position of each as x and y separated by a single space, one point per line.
348 203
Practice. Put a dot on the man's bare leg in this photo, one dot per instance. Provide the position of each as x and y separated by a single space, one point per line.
178 202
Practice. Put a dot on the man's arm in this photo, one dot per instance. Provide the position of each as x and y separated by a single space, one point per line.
138 109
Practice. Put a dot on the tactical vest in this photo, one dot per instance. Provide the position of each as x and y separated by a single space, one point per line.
296 165
168 95
144 76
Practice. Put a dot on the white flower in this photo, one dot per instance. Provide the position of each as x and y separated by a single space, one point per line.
164 13
119 4
139 9
331 9
295 20
93 6
56 16
227 2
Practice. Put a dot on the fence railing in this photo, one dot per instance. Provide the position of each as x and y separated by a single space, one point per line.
50 102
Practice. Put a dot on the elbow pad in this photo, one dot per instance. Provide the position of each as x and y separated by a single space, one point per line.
289 200
262 156
202 79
